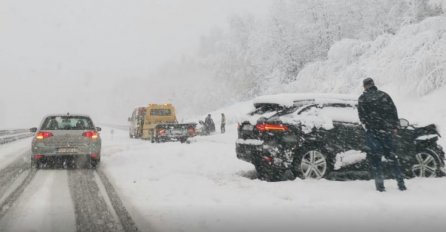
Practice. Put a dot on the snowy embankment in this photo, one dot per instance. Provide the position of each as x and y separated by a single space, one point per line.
411 62
202 186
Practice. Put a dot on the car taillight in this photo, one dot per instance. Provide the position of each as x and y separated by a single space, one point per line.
38 156
43 135
271 127
161 132
268 159
94 156
91 134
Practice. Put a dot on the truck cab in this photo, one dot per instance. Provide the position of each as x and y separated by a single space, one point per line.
136 122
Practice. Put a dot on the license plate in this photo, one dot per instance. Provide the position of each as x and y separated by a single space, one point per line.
177 131
248 127
67 150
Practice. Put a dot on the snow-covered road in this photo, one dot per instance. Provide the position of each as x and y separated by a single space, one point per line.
201 186
56 199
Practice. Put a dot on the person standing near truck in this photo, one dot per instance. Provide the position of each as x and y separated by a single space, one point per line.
209 124
223 123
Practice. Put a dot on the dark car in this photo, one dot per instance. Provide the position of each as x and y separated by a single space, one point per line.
322 137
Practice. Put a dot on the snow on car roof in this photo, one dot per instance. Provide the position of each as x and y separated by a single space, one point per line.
69 115
290 99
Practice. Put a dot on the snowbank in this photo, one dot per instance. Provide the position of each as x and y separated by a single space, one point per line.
412 61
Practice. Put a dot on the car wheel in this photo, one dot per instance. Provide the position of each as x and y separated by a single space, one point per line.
94 163
313 164
425 165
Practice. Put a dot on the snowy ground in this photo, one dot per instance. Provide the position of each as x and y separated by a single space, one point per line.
202 187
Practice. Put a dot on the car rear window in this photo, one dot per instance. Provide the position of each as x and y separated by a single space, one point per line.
263 108
160 112
67 123
334 112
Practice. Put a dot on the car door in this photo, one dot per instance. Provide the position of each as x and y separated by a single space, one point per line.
350 135
324 129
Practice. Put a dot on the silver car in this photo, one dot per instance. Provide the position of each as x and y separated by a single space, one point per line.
68 138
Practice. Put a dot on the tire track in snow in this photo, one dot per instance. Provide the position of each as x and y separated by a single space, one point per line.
8 176
11 172
126 221
91 208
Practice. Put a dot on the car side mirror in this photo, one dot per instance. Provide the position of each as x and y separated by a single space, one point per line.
33 130
404 123
98 129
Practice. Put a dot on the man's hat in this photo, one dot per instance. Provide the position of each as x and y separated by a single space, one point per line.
368 82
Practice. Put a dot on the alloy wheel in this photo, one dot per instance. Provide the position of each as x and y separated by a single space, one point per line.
313 165
425 165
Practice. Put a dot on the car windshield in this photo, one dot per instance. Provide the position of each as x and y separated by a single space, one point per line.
67 123
160 112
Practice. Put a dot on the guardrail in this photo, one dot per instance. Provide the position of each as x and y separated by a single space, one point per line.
7 136
115 126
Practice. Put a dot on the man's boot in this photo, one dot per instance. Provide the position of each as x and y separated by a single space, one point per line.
401 185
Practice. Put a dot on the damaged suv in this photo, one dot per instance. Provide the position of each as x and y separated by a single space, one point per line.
321 137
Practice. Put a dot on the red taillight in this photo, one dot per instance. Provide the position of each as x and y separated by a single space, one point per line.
38 156
268 159
94 156
161 132
43 135
271 127
91 134
191 131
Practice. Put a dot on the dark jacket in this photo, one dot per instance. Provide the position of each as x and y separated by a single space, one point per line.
377 111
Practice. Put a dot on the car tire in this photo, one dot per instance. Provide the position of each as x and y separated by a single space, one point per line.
35 164
94 164
425 164
312 164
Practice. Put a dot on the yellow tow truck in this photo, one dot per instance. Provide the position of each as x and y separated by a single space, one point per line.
161 125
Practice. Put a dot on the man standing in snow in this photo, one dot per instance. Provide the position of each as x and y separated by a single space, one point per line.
379 116
209 123
223 123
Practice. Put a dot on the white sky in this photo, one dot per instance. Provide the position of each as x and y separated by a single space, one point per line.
51 50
